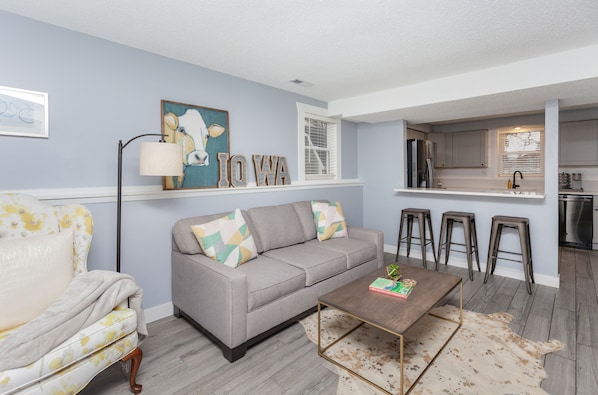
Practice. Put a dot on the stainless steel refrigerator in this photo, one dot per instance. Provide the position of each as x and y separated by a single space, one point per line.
420 164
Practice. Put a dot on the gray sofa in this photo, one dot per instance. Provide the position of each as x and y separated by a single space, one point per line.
237 307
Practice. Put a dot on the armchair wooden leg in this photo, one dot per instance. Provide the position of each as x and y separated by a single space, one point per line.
135 356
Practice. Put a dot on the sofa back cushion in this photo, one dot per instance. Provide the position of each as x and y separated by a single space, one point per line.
275 226
184 239
306 219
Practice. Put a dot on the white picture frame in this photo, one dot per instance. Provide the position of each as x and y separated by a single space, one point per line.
23 113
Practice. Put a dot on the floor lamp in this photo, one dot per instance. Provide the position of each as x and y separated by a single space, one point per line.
155 159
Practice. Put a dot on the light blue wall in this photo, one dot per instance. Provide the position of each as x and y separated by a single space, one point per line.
100 92
349 152
381 154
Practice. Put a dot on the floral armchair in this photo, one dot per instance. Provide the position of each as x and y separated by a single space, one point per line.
29 225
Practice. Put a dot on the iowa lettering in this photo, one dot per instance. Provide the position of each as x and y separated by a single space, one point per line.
269 170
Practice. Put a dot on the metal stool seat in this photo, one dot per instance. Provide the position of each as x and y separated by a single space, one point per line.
469 233
522 226
423 217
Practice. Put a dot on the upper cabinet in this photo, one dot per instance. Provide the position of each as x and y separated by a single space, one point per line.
578 143
440 157
415 134
468 149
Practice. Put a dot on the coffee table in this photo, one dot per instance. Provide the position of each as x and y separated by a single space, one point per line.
389 313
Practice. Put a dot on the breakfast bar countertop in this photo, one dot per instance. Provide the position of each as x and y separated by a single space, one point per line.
504 193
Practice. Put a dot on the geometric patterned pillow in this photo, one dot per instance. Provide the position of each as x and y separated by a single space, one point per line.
226 240
329 220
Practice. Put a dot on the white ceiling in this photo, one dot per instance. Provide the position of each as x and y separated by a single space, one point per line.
349 49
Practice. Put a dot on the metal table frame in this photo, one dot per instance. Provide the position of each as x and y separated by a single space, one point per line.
322 351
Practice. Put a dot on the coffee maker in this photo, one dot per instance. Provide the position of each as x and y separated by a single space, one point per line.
576 181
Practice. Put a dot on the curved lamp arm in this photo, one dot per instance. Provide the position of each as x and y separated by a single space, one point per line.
121 146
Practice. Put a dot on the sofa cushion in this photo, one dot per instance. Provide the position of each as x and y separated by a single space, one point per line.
329 220
356 251
227 240
34 271
276 226
269 279
184 239
306 218
318 263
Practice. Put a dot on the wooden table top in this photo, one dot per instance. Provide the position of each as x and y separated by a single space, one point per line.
390 312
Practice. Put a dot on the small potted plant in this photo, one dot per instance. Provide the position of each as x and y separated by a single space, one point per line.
393 272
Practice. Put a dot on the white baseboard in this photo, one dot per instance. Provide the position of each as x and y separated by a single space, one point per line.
457 261
158 312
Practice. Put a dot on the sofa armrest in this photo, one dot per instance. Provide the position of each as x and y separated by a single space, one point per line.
212 294
371 235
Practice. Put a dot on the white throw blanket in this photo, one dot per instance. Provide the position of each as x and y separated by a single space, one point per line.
88 298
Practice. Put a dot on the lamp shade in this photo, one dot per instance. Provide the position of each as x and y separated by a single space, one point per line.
160 159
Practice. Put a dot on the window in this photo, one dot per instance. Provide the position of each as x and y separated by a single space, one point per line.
521 149
319 142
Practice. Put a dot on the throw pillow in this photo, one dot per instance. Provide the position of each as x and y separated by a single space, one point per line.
329 219
226 240
34 272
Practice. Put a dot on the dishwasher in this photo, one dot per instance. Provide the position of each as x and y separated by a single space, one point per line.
576 221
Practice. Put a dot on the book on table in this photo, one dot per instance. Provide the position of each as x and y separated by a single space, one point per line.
400 289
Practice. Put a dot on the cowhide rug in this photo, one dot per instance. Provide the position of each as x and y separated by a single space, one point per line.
484 357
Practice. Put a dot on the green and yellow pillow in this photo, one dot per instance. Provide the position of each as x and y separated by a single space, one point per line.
329 220
227 240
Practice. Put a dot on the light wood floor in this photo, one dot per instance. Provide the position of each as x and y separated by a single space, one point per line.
179 360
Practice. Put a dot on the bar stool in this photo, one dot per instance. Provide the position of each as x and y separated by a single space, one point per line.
469 233
423 216
522 226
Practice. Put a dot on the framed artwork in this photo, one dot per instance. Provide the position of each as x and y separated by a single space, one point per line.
203 133
23 113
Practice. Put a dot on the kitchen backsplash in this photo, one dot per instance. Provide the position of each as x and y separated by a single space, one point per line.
589 181
589 177
484 183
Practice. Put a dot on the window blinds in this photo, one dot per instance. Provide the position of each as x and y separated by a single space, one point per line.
320 148
521 150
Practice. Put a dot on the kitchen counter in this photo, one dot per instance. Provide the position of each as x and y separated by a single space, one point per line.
503 193
576 192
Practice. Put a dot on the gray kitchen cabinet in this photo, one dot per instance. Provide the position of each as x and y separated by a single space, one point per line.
441 159
467 149
470 148
415 134
578 143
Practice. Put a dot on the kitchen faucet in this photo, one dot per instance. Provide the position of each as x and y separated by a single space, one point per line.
514 174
